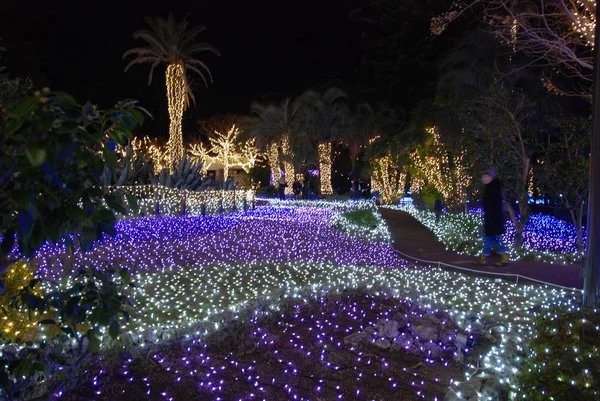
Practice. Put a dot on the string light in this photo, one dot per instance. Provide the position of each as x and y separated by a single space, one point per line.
298 256
287 166
435 168
584 13
273 157
392 185
325 168
177 102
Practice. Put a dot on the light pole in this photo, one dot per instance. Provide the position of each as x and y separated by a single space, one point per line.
592 254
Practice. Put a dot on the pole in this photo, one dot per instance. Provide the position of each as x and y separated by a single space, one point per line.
592 254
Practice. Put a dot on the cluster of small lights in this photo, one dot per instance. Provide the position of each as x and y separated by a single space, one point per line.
390 186
297 256
194 301
273 158
227 150
374 184
177 102
584 13
435 168
325 168
150 149
267 234
545 238
287 166
165 201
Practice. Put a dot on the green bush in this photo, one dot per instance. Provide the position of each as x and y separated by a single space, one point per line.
363 218
564 358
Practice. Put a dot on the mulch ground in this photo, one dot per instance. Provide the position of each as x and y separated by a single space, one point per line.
413 238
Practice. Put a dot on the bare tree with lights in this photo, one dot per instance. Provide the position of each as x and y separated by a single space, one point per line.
228 150
558 34
173 43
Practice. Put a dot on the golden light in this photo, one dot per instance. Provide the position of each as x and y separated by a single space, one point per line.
287 166
177 102
447 175
273 158
325 168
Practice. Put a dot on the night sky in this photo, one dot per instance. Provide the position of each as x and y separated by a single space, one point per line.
269 49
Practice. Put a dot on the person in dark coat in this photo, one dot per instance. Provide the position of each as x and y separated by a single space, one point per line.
493 218
297 187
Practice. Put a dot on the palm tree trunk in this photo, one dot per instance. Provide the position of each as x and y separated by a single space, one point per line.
287 166
325 168
273 156
176 97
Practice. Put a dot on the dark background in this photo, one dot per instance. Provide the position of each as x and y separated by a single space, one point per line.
377 51
269 49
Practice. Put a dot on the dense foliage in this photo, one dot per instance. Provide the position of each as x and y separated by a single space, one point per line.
564 358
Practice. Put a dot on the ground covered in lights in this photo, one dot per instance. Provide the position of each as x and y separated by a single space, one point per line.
268 234
219 276
298 354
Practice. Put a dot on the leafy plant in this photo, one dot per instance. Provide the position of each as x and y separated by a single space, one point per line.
564 358
53 153
94 304
19 324
132 169
187 175
363 218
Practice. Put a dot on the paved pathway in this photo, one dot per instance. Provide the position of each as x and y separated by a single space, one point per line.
412 238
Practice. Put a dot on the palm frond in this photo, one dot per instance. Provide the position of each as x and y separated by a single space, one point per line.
140 60
191 62
197 71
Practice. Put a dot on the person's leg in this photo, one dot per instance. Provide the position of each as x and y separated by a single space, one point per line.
501 249
487 249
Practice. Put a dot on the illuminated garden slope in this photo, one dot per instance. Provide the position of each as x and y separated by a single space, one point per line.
269 234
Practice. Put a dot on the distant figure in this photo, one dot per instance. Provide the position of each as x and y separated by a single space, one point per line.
230 183
437 209
305 189
282 185
297 187
493 218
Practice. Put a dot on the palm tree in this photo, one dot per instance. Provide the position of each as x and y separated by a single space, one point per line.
175 44
324 116
365 125
275 128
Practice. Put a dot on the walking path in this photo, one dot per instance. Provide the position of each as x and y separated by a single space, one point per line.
412 238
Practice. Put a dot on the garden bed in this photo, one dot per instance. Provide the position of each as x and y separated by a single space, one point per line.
306 352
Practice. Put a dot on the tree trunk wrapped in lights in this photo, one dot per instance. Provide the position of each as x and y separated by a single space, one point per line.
388 178
325 168
445 172
176 97
273 156
287 166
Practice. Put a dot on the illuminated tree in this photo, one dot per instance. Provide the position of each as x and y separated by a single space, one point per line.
366 123
558 34
227 149
436 165
323 116
275 129
174 44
